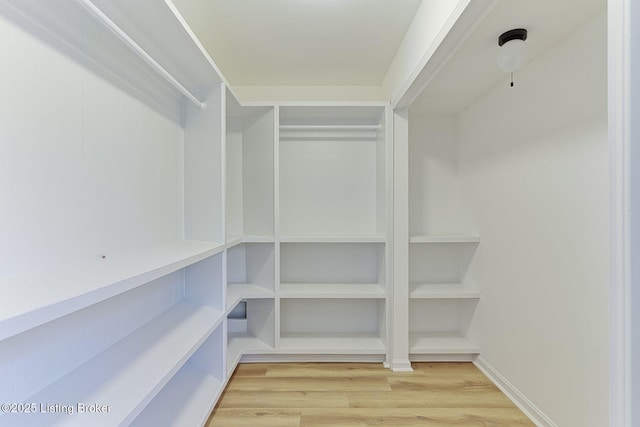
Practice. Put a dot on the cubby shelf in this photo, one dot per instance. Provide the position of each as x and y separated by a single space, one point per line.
187 400
332 290
40 298
443 290
441 343
129 374
332 343
445 238
237 292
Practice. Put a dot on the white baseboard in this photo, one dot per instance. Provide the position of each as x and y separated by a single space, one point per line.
400 366
520 400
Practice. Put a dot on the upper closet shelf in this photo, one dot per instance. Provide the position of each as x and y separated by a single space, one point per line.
144 43
39 298
446 238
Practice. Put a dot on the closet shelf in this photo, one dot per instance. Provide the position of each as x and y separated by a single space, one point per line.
441 343
187 400
333 239
237 292
331 343
443 291
147 45
129 374
446 238
237 240
39 298
332 290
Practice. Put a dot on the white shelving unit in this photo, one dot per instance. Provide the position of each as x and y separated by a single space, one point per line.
333 197
140 326
251 330
443 292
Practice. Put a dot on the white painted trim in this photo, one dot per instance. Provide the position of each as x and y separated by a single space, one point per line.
520 400
315 358
400 366
622 130
463 21
442 357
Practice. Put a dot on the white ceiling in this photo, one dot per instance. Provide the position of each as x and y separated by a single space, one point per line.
472 70
301 42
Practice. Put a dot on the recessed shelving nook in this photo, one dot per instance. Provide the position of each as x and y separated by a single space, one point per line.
249 172
443 291
333 193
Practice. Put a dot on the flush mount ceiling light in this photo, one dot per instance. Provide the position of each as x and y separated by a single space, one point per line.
512 51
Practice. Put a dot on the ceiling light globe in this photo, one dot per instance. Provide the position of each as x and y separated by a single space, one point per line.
512 55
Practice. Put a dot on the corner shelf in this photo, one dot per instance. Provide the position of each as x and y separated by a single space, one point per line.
445 238
332 290
237 292
129 374
39 298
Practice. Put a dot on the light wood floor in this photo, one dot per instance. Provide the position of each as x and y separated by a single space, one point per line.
361 394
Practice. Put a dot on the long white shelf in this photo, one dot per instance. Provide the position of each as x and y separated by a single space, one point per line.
164 51
187 400
331 343
332 290
33 300
441 343
236 292
129 374
333 239
446 238
443 291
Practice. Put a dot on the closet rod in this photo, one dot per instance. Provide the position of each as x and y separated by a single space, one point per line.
110 25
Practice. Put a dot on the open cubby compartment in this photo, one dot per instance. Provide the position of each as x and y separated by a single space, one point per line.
189 397
250 170
250 272
120 352
442 270
250 329
332 270
333 171
443 326
437 205
204 171
332 326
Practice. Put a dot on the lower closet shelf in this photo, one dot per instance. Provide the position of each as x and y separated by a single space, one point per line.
187 400
244 343
441 343
355 343
126 377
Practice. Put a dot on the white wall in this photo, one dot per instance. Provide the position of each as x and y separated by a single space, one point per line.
85 169
534 164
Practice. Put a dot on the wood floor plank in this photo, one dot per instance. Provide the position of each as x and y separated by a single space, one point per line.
284 399
327 370
338 384
230 417
251 370
429 399
471 417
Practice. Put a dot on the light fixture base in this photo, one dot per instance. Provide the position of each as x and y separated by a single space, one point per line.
515 34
